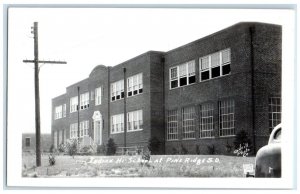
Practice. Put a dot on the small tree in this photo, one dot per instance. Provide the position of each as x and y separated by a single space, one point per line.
242 141
72 147
111 147
154 145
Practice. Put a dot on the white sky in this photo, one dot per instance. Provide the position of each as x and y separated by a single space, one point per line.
89 37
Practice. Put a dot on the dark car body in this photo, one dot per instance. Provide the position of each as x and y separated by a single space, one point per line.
268 158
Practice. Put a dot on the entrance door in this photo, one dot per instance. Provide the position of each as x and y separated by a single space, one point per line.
97 117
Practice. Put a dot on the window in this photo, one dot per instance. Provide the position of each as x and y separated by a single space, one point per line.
135 85
274 112
188 122
117 90
226 116
172 125
98 96
135 120
215 65
84 128
117 123
182 75
92 95
73 130
84 101
27 141
64 110
206 121
58 112
73 104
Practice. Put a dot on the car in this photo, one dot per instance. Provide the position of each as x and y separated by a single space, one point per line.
268 158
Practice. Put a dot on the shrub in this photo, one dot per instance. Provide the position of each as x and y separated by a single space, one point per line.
154 145
183 150
101 149
61 147
242 141
51 159
72 147
111 147
211 149
197 149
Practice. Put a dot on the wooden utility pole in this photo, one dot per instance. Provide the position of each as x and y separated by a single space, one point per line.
36 89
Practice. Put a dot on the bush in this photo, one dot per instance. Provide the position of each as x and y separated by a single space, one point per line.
242 141
101 149
154 145
111 147
183 150
61 147
51 159
72 147
197 149
211 149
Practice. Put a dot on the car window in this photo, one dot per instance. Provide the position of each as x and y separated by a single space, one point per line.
277 135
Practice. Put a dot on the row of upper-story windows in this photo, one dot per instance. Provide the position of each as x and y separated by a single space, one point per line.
210 66
134 87
60 111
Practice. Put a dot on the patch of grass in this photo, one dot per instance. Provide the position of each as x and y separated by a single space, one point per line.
134 166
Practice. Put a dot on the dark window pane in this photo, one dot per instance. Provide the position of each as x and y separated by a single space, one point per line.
129 93
118 96
135 92
192 79
226 69
215 72
122 94
140 90
174 84
183 81
204 75
113 98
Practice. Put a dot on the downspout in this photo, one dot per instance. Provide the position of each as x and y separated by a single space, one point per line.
163 100
78 108
252 88
108 103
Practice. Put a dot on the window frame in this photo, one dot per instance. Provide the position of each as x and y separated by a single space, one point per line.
84 102
206 121
187 75
172 125
26 143
229 105
138 85
135 118
117 123
116 88
73 131
274 121
186 123
211 67
74 104
58 112
98 96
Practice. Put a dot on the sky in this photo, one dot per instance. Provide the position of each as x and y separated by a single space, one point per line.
85 38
